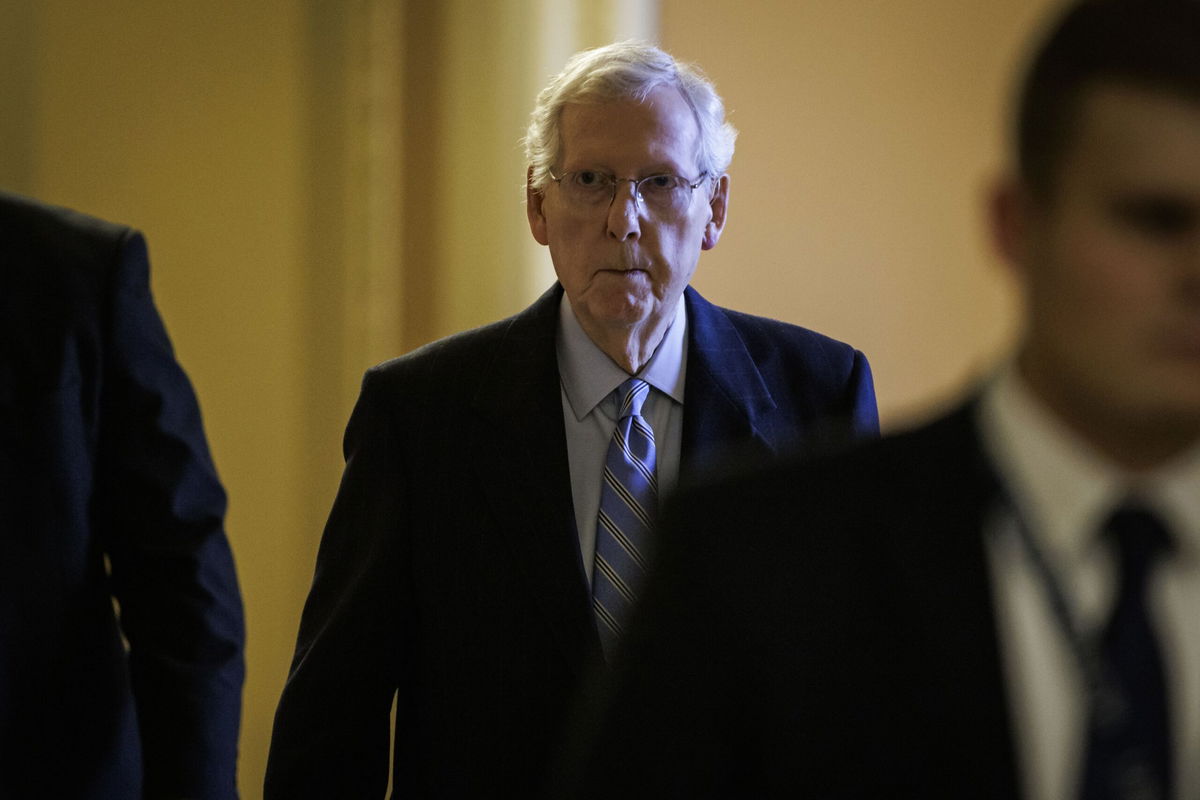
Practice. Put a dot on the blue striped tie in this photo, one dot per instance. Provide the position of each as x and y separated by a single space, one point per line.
628 502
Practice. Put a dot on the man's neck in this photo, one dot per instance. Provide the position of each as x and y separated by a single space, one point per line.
1135 443
629 347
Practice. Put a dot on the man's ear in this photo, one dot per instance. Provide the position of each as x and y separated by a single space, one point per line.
1010 210
719 206
533 209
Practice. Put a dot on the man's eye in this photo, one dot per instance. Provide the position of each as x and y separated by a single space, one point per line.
660 182
1159 216
588 179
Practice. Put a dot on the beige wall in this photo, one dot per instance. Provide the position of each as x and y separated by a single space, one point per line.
868 133
325 184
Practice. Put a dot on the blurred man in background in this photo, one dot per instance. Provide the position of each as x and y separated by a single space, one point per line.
1002 603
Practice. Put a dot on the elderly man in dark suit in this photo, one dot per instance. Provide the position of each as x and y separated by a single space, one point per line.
107 491
493 521
1004 603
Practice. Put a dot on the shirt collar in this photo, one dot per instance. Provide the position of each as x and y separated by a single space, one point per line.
1063 488
589 376
1176 493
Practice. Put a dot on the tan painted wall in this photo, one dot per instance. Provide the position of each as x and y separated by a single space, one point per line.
869 130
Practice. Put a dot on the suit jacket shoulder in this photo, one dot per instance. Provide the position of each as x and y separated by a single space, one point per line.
766 338
56 251
499 352
795 389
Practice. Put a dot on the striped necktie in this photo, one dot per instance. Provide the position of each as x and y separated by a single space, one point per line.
628 502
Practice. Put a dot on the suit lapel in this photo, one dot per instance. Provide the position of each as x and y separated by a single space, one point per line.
725 398
522 465
943 568
522 462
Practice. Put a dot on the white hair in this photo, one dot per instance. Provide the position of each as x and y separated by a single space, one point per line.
626 70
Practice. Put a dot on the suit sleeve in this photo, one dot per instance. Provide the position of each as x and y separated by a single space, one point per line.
331 728
159 509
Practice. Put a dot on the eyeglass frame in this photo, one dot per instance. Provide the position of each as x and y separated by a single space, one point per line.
637 182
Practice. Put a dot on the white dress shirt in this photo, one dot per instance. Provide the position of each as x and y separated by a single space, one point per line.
1064 491
589 381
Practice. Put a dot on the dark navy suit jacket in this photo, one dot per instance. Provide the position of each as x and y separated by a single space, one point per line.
107 491
450 575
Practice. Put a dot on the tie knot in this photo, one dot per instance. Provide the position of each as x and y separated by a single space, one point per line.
633 393
1140 538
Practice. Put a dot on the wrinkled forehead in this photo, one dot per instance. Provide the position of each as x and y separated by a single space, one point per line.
660 129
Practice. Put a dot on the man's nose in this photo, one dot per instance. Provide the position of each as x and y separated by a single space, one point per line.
623 221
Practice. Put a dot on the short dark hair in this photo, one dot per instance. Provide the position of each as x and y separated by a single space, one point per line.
1146 44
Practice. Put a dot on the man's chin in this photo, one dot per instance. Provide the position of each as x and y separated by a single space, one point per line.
621 308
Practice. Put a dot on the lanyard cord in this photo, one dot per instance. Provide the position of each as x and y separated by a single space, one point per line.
1085 649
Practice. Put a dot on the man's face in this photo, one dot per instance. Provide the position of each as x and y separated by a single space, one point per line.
624 265
1111 268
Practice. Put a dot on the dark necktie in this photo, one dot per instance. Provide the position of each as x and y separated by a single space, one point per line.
628 502
1128 754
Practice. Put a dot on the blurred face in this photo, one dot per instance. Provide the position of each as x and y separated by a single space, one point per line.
1111 270
624 264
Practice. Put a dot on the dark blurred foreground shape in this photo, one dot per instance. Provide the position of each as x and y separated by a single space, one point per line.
107 492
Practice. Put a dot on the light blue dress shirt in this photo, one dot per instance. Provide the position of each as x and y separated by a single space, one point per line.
589 380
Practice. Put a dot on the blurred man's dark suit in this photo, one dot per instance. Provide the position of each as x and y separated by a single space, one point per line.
107 490
450 567
882 623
